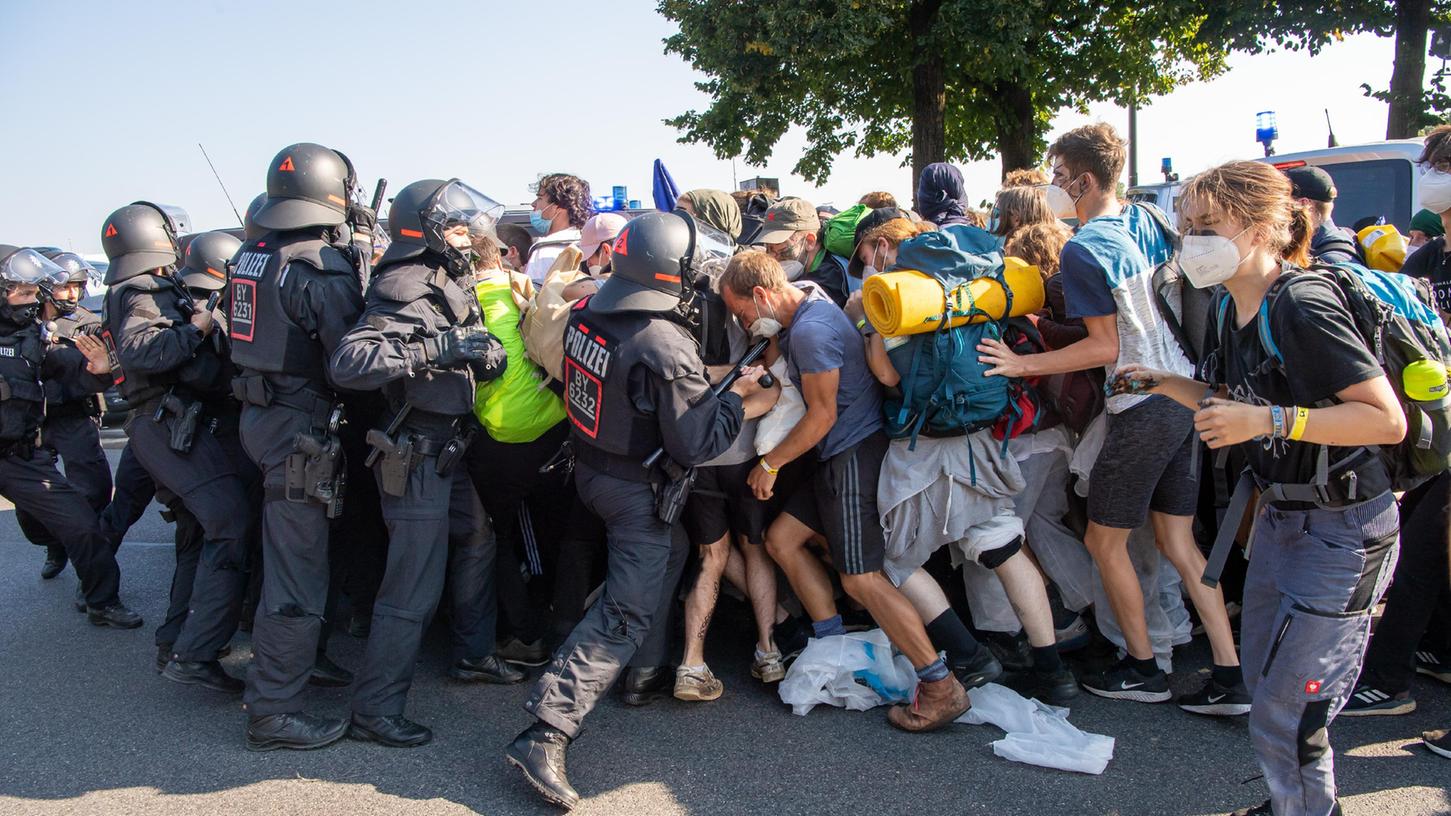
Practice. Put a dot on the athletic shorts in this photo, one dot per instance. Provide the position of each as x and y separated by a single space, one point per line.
840 502
1146 464
721 502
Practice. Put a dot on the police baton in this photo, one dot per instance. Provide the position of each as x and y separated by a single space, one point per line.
752 354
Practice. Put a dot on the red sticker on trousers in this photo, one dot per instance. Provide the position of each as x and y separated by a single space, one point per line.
1312 687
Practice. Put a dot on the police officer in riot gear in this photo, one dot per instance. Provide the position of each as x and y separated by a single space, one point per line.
204 265
72 409
250 230
421 342
28 477
294 292
173 371
634 382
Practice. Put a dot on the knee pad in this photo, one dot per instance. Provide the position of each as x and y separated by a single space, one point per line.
992 559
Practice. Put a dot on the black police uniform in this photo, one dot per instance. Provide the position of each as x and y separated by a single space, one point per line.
28 476
292 298
164 367
72 428
412 303
634 382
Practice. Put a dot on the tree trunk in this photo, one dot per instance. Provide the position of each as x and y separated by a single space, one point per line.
1413 19
1016 126
929 93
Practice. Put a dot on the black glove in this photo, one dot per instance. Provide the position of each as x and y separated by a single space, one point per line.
491 360
460 345
362 218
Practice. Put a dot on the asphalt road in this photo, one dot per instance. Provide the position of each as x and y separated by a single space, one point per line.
89 728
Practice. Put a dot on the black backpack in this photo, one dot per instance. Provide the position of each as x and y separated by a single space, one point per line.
1185 308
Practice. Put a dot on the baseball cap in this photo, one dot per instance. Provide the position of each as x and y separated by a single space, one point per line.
1312 183
786 217
869 222
598 229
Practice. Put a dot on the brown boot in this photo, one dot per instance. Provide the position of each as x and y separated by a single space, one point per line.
934 705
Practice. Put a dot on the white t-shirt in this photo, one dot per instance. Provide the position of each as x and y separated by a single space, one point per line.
544 252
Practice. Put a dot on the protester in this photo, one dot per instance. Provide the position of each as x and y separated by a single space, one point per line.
1315 190
791 233
517 242
1317 568
561 206
842 426
1430 260
942 195
1425 225
879 200
1019 207
1107 269
715 208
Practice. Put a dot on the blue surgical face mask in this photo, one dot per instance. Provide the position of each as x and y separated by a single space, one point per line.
539 222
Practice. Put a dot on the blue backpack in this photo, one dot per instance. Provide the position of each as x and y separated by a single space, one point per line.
944 389
1392 316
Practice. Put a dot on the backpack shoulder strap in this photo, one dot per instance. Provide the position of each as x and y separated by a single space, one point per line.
1171 235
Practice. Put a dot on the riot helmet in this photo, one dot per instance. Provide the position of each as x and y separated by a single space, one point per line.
250 229
656 258
78 273
423 212
207 257
308 185
19 267
138 238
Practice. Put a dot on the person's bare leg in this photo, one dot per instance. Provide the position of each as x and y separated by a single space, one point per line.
1174 536
1023 584
786 543
760 573
700 603
1110 551
925 594
896 615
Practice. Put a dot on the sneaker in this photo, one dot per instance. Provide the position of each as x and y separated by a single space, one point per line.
790 636
1369 701
1073 635
1218 700
1262 809
697 685
1123 682
1439 742
1012 651
768 667
517 651
1434 664
1058 688
979 670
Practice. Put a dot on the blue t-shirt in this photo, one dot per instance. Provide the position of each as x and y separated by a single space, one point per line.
1107 268
821 338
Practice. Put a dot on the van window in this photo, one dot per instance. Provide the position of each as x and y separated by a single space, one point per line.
1377 187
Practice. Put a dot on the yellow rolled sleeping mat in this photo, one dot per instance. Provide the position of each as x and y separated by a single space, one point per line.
905 301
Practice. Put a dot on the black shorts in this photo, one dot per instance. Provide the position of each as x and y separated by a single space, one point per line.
1145 464
840 502
721 502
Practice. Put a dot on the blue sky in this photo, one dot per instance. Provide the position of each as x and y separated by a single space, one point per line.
106 102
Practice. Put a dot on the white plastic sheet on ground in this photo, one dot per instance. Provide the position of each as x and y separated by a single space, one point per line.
858 671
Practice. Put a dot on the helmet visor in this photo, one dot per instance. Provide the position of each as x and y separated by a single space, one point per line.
457 203
29 266
77 268
713 249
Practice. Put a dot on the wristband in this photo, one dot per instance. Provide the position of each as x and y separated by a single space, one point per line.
766 466
1302 415
1277 422
865 328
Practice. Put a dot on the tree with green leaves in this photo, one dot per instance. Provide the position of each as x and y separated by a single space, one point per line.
953 80
1310 26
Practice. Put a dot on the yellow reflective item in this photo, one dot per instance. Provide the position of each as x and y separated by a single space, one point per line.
1384 247
905 302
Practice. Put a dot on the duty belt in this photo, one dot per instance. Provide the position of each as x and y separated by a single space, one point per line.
623 467
256 389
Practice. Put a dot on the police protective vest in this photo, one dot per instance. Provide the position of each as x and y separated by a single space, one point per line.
445 391
597 367
60 395
207 375
264 338
22 398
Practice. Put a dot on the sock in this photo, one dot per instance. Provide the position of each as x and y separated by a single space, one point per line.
1147 667
932 672
950 634
684 669
827 628
1045 659
1227 676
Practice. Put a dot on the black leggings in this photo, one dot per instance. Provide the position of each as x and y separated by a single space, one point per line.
1419 588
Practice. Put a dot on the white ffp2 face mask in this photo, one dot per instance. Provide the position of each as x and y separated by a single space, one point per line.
763 326
1435 191
793 269
1059 201
1209 260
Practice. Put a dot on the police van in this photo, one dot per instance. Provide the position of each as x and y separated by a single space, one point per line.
1374 180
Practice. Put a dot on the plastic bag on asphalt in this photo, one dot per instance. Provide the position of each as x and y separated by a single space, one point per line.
1037 734
856 671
